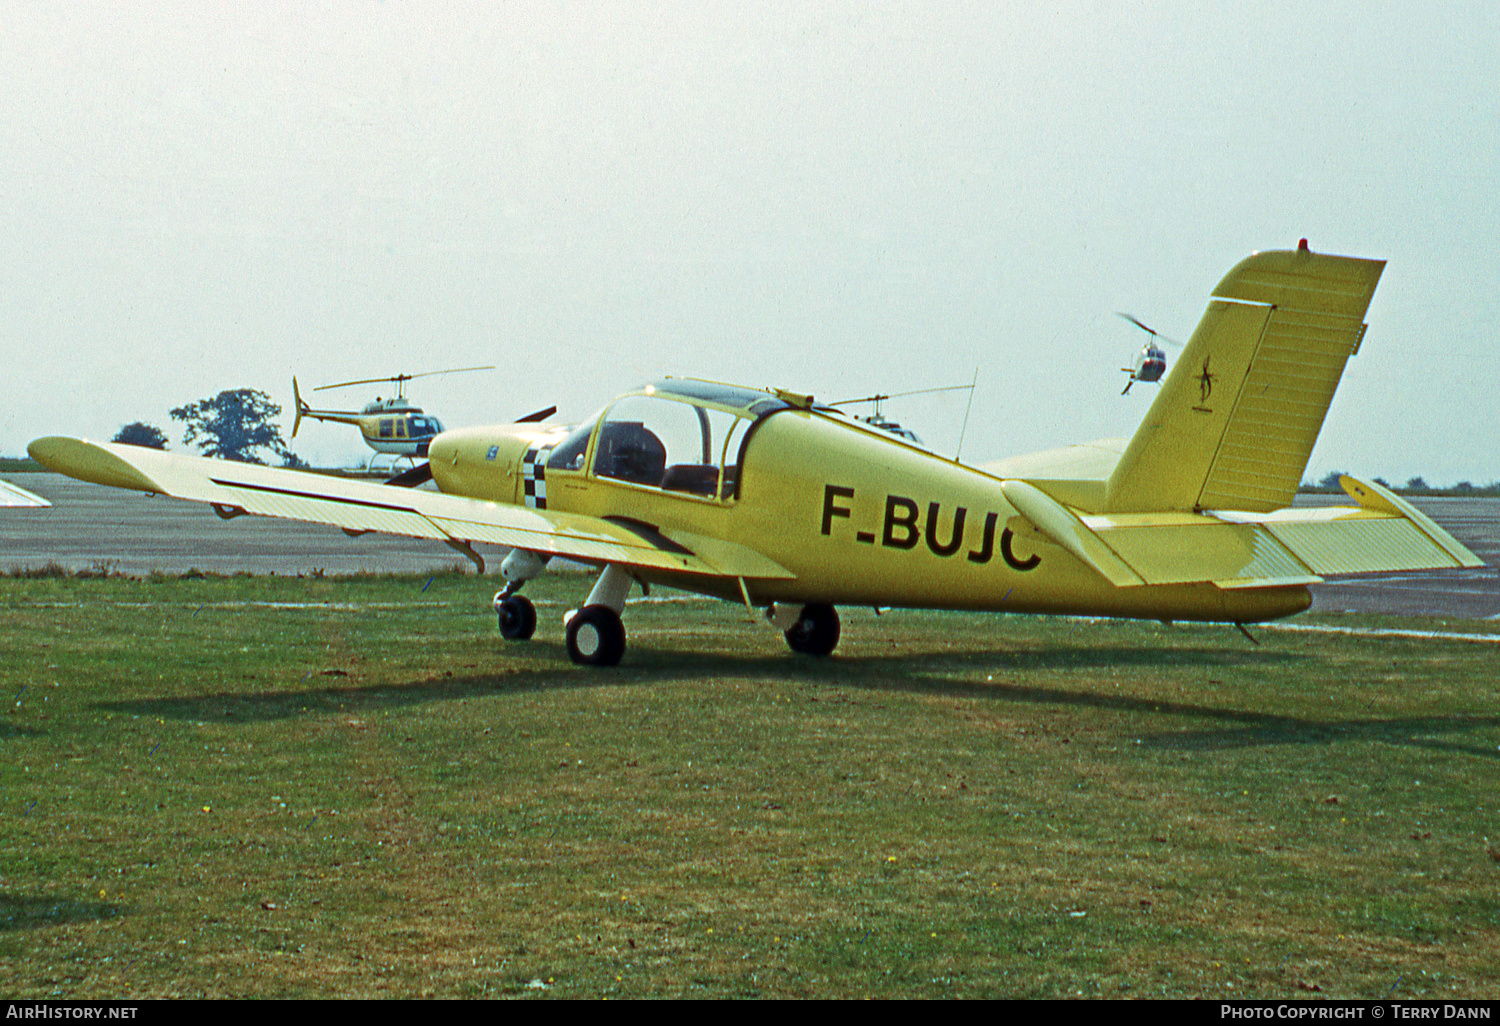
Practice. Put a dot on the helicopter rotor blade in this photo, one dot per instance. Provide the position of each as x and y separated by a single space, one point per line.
403 377
451 370
539 415
346 384
897 395
1148 329
1137 322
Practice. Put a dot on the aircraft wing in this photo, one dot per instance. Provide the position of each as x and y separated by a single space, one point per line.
10 495
1235 549
357 506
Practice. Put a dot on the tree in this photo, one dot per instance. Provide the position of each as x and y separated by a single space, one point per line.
1331 479
233 425
140 433
1416 484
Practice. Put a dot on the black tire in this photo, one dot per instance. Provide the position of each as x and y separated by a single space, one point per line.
817 632
517 618
596 637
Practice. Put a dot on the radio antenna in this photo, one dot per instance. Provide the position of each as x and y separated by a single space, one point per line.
964 430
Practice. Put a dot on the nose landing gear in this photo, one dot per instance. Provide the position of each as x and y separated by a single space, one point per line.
517 616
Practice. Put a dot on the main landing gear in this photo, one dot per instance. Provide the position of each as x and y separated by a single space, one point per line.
812 629
596 636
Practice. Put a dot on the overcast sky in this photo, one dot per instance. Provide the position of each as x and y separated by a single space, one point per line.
833 198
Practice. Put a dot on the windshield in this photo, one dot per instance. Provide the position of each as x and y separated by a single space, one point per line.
670 437
569 453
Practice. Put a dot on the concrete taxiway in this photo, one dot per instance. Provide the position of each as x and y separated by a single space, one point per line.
91 526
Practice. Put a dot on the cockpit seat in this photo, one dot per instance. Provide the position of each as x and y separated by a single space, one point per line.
629 451
694 478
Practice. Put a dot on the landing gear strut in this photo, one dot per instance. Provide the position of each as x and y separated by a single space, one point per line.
517 615
816 631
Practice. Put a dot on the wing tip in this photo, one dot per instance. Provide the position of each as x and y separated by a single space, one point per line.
89 461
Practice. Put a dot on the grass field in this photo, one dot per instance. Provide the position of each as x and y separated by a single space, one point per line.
261 786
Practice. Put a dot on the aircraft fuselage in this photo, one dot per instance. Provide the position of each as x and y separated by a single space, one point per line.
860 517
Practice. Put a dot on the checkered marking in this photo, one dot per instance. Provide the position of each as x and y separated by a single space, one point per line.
534 473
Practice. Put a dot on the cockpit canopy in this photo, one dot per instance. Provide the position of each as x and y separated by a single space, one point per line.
679 435
410 427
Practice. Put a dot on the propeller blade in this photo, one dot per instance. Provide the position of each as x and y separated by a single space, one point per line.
532 418
418 475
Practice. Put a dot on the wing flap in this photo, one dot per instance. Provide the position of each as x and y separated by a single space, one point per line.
731 558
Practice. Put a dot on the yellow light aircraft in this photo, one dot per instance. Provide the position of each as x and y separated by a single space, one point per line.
768 498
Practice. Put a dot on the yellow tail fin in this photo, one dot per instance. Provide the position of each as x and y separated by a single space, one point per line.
1238 414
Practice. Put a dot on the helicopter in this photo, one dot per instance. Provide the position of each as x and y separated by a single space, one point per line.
877 419
394 426
1151 361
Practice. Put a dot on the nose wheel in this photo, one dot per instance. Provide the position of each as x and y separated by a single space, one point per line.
517 617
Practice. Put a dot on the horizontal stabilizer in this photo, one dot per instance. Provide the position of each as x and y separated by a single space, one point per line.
1238 549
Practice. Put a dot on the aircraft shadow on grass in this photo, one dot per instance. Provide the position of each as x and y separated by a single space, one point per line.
29 911
925 673
12 730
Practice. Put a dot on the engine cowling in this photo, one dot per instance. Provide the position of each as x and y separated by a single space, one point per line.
488 462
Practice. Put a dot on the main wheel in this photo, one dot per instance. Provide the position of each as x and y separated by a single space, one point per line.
816 632
517 618
596 637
